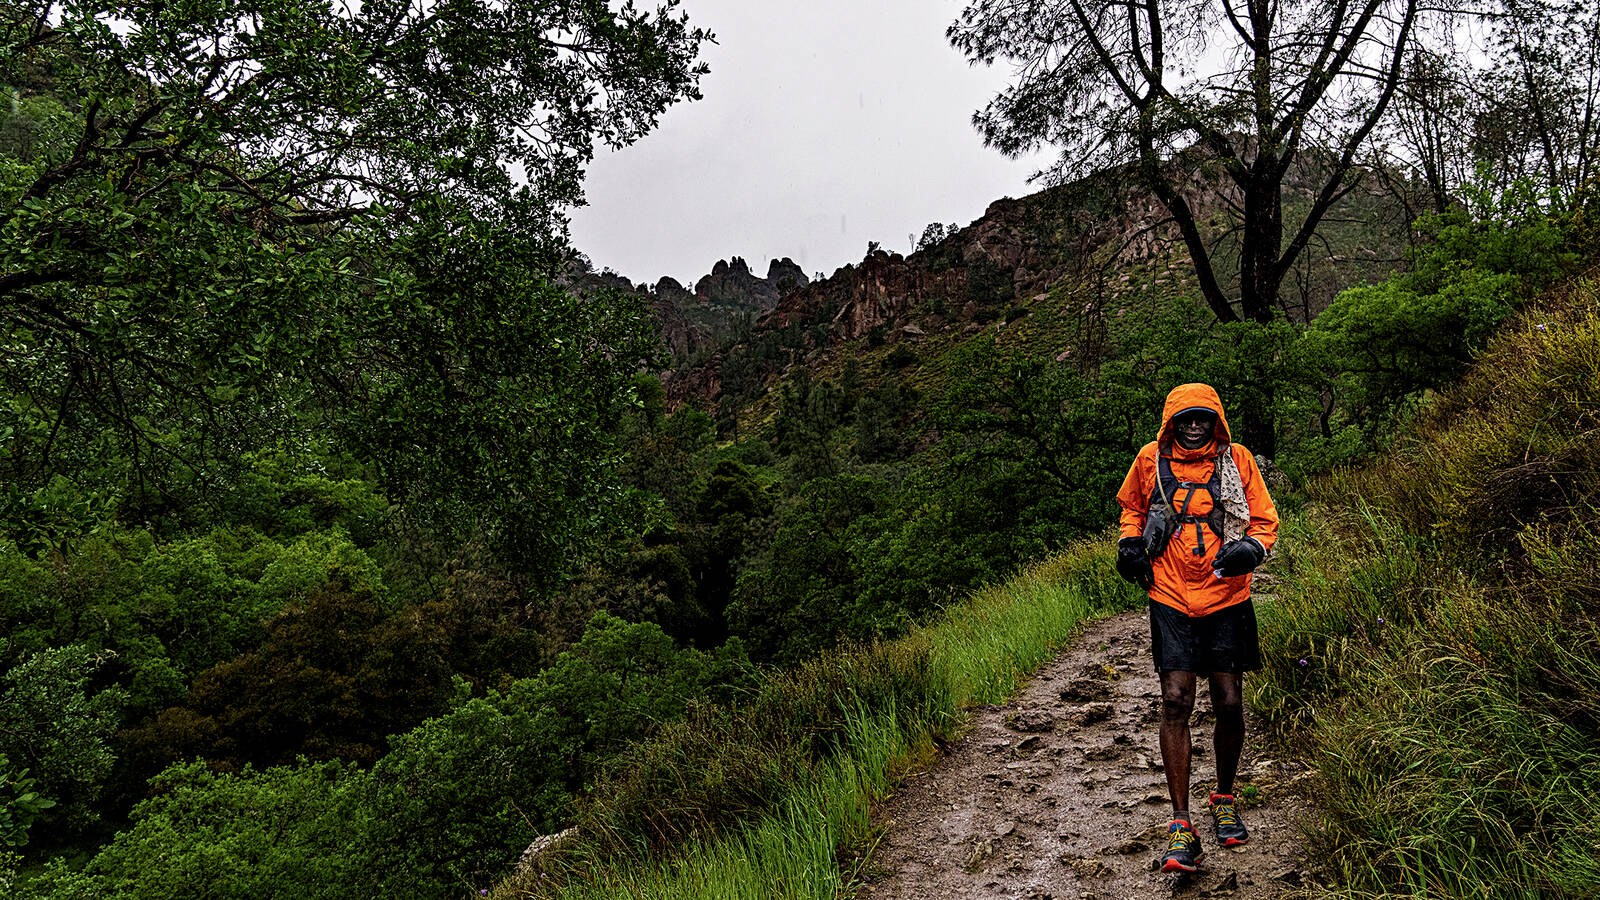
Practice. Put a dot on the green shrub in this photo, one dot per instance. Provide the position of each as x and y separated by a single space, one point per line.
56 724
1373 353
1387 342
900 357
284 495
20 804
463 794
300 831
333 677
800 597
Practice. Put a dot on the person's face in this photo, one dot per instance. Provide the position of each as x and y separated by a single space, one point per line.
1194 429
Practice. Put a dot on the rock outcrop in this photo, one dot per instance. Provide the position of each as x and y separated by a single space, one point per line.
1100 240
723 304
784 275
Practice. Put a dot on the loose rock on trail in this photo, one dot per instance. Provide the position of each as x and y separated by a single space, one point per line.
1059 794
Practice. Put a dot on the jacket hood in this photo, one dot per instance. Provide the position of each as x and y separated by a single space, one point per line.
1183 398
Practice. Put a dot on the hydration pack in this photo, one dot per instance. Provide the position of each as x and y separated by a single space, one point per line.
1163 520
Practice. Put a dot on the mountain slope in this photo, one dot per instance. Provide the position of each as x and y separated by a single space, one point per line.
1073 259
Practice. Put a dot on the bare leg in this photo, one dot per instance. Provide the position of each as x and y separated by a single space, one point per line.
1227 702
1177 702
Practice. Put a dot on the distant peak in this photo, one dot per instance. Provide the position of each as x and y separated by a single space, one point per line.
784 275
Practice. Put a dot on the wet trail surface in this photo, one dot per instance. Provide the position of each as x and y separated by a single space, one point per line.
1059 794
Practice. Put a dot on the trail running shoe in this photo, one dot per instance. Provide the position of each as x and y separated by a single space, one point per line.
1230 830
1183 848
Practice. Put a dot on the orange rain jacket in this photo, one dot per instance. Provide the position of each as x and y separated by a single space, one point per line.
1184 580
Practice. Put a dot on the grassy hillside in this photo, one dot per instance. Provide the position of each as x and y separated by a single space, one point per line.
1435 638
763 802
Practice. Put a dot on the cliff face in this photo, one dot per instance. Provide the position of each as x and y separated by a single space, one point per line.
731 284
1017 249
884 288
1106 241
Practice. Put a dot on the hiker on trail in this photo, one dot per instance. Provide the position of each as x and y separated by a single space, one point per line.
1196 521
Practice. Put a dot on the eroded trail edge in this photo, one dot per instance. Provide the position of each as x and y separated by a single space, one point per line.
1059 794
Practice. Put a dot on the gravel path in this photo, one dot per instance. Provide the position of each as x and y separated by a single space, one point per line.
1059 794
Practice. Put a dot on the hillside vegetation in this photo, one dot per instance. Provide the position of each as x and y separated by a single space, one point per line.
346 549
774 799
1436 633
1431 646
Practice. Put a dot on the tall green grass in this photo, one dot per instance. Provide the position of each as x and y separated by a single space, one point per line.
773 800
1435 640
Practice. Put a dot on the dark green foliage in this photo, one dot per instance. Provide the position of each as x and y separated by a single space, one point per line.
300 831
877 417
989 286
662 456
461 796
333 677
167 611
807 415
465 432
802 596
934 233
54 755
306 253
1372 353
900 357
1048 425
20 804
301 435
451 804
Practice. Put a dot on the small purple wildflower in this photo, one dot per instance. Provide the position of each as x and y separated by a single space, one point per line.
1540 327
1380 620
1305 662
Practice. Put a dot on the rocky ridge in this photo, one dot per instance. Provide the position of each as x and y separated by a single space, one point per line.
724 303
1096 244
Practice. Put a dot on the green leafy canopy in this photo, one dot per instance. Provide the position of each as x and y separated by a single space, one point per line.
232 225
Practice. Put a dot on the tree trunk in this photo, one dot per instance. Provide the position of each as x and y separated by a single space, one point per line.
1260 244
1258 432
1259 282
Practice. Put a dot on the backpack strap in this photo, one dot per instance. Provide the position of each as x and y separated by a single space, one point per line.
1180 517
1164 472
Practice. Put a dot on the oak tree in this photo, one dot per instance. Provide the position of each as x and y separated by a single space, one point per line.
229 224
1254 87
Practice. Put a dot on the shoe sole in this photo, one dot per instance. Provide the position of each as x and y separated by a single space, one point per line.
1173 865
1235 842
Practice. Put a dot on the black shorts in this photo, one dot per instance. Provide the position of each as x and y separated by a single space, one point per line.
1224 641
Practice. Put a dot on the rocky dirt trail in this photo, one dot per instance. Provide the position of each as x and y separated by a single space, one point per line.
1059 794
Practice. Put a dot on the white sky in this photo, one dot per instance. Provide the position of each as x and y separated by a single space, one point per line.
825 124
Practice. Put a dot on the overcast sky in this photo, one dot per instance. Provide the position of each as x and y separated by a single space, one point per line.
825 125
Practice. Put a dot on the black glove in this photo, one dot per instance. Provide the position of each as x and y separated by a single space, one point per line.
1239 557
1133 564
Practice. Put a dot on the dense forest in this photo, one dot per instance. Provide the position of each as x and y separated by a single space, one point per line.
349 541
